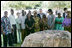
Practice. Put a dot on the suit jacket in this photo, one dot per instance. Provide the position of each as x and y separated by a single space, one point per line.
39 15
64 15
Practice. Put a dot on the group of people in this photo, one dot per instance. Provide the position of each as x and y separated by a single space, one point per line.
27 23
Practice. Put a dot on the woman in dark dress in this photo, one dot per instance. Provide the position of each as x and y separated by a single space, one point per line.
29 22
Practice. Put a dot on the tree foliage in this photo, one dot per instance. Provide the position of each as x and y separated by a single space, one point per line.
23 4
60 4
36 4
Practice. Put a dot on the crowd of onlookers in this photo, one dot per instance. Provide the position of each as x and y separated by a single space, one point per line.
26 23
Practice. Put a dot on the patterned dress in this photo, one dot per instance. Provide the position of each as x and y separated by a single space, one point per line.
45 24
36 25
67 22
51 21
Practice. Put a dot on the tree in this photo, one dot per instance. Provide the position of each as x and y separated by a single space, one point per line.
60 4
35 4
22 4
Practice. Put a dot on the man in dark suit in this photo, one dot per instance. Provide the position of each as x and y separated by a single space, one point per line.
64 14
40 15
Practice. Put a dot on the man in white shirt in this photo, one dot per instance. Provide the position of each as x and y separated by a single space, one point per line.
13 26
22 20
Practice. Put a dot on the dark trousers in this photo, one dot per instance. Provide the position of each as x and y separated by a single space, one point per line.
14 34
23 34
7 38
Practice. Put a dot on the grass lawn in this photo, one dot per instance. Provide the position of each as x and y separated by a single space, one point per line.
16 45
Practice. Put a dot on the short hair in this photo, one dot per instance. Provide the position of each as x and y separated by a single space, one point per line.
29 11
59 13
65 9
5 12
18 13
12 10
22 11
40 9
